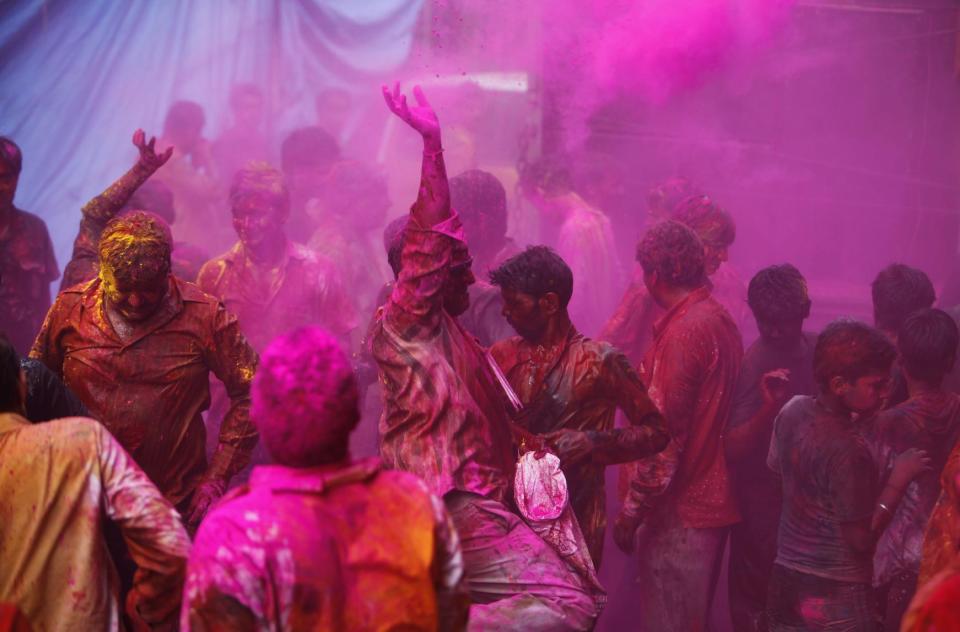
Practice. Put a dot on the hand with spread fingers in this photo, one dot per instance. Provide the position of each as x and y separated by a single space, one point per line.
149 158
420 117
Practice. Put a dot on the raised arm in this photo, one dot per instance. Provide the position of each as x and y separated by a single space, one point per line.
104 207
433 202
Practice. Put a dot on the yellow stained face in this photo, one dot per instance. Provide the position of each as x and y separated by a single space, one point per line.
135 300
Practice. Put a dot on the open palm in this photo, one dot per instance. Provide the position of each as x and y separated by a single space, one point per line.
420 117
148 153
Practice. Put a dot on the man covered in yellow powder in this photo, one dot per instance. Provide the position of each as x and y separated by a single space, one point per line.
137 345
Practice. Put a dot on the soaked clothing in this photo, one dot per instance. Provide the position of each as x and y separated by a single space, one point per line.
941 544
516 580
445 416
799 602
61 479
579 385
27 268
150 390
691 373
445 420
677 576
829 479
47 396
930 422
302 289
753 541
936 606
630 328
345 547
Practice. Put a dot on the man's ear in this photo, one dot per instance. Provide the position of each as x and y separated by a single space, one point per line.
839 385
550 303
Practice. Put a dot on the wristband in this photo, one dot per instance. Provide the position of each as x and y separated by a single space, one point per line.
432 154
885 508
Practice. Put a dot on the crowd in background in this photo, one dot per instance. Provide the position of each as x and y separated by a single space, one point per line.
175 423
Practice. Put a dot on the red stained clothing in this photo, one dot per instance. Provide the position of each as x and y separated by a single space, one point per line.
27 267
302 289
691 372
61 481
578 385
445 416
941 544
328 548
150 390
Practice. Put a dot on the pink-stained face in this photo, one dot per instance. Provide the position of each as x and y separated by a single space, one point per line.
865 394
256 220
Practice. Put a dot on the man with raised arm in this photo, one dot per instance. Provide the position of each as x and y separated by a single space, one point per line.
445 416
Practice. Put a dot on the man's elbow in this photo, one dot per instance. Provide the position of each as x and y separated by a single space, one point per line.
660 437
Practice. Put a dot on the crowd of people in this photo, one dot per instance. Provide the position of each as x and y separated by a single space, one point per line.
136 492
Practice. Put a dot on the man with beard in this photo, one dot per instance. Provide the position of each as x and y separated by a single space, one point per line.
571 386
445 414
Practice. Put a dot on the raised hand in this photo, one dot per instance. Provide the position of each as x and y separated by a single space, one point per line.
420 117
775 386
149 158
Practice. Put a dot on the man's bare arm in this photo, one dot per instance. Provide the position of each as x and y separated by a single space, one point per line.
433 202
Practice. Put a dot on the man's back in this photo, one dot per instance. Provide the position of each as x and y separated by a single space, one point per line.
333 548
692 370
60 479
829 479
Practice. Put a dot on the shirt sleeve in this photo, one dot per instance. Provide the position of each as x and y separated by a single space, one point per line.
233 361
415 306
46 348
773 452
453 599
151 528
225 579
646 433
677 377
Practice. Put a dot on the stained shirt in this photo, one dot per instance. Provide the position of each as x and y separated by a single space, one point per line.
829 480
61 480
27 267
302 289
930 422
691 372
579 385
630 328
333 548
150 390
445 415
941 544
757 489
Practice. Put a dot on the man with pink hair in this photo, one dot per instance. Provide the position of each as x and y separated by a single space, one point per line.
319 541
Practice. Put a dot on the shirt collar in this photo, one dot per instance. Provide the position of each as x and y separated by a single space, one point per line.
316 480
12 421
681 308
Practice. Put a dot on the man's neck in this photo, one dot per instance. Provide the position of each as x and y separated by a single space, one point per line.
917 387
834 404
671 297
268 253
555 333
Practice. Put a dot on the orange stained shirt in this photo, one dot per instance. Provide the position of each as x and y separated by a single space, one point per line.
60 481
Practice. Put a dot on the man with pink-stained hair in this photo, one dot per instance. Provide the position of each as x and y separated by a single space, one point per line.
319 541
